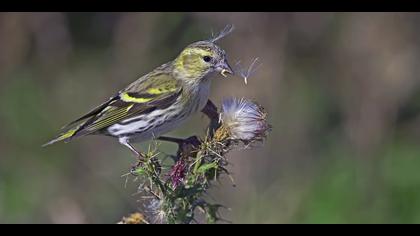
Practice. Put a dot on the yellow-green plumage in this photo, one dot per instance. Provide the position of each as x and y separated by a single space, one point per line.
158 101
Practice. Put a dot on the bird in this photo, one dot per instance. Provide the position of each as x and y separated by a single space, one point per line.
157 102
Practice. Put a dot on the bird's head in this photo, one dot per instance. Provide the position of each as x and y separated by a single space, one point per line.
201 58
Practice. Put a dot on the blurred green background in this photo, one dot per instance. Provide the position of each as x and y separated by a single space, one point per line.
342 92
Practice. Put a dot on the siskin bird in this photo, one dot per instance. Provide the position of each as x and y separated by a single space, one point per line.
157 102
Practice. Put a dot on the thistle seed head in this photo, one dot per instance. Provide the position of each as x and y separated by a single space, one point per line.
243 120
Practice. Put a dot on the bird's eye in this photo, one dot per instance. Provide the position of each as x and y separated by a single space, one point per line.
207 58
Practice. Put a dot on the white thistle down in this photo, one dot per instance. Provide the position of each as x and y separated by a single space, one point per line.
244 120
227 30
247 73
155 208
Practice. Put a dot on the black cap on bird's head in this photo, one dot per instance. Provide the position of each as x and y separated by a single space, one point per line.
206 56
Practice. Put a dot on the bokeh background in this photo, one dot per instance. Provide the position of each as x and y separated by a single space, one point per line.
342 92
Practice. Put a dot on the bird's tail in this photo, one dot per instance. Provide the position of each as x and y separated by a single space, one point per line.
66 136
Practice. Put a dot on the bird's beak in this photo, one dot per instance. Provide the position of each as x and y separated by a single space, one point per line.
225 69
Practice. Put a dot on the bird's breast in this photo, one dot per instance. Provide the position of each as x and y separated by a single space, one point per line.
200 96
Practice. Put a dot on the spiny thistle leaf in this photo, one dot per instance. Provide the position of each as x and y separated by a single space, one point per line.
206 167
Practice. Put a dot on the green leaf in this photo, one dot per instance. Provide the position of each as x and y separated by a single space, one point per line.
198 162
206 167
140 171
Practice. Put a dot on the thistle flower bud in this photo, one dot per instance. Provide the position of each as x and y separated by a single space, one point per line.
177 173
242 120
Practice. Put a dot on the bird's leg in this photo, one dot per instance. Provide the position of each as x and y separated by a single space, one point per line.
140 157
210 110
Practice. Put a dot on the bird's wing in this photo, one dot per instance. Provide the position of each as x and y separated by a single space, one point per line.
137 99
93 112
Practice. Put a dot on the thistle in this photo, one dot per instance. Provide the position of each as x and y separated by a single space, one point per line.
243 121
180 194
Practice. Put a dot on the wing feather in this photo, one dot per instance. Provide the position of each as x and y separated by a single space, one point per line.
142 98
156 95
